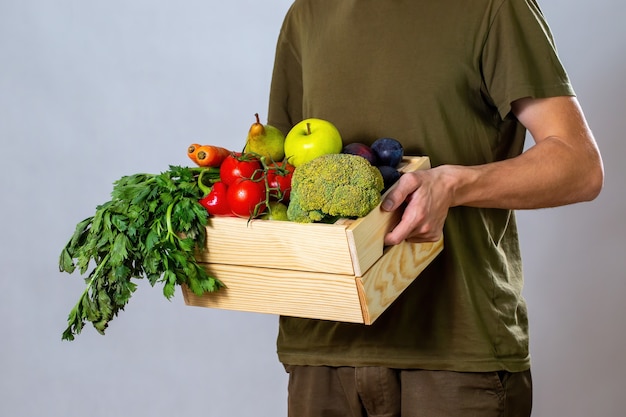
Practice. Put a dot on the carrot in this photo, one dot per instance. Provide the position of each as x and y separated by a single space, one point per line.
211 156
192 152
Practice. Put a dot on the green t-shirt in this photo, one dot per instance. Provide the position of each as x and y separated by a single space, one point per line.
439 76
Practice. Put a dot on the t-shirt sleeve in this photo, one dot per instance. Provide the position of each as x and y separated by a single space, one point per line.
285 101
520 57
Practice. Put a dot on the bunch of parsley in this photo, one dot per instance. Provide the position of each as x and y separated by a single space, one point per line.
151 228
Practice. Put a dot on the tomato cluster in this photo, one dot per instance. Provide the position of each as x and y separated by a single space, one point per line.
247 185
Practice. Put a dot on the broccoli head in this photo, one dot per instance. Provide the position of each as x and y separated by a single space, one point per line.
334 185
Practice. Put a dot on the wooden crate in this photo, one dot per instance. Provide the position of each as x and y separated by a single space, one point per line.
339 271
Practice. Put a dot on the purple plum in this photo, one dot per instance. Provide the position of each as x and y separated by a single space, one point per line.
360 149
388 151
390 175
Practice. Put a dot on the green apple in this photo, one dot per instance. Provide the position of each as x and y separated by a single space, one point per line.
311 138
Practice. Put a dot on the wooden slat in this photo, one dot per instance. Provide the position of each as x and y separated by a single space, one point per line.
276 291
386 280
367 240
278 244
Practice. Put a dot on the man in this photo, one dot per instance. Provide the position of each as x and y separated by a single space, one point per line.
461 82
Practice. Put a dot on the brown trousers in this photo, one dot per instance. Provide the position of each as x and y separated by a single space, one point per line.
319 391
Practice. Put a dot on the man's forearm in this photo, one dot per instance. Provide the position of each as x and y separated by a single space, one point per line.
551 173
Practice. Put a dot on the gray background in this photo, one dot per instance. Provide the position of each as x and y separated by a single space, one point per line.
93 90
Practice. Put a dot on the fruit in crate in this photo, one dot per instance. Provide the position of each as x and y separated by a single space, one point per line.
275 211
246 197
390 175
265 140
216 201
311 138
237 166
361 149
389 151
279 176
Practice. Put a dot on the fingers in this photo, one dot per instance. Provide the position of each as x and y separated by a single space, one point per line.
399 233
414 230
398 193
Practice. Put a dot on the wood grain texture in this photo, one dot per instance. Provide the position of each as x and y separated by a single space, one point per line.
283 292
392 274
278 244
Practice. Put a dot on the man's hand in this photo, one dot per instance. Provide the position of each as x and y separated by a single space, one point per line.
426 198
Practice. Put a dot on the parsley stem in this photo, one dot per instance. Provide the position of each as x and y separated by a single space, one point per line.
168 222
96 273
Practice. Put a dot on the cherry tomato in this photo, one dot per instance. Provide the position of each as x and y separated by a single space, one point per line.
216 202
246 197
279 180
237 166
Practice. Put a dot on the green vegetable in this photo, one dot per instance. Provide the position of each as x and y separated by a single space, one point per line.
149 229
334 185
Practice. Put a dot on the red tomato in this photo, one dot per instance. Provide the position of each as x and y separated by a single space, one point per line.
279 180
237 166
216 202
246 197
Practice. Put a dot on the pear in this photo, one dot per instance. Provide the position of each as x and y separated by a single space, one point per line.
265 140
276 211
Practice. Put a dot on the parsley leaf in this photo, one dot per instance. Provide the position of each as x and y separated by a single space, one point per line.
151 228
